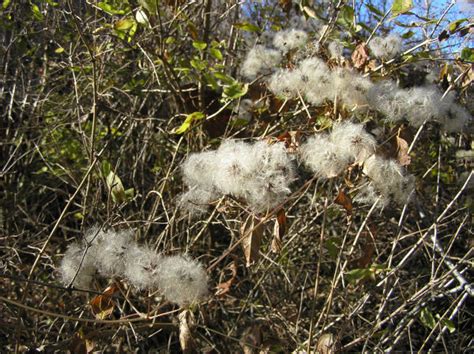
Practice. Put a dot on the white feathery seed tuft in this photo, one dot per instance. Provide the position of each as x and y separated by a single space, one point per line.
386 47
260 61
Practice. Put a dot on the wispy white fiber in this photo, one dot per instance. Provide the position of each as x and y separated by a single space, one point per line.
287 40
116 254
260 61
259 174
386 47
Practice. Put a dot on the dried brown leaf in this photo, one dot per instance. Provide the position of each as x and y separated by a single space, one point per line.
368 249
279 231
186 324
345 201
80 345
103 305
252 233
328 344
291 140
402 152
360 56
224 287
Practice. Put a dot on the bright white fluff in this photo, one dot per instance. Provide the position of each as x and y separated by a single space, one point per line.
455 119
289 39
259 174
386 47
323 156
352 140
71 267
286 83
389 179
116 254
198 169
388 99
328 155
424 103
182 280
260 60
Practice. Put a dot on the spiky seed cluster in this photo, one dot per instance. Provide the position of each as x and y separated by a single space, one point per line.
311 79
258 173
386 47
116 254
328 155
388 182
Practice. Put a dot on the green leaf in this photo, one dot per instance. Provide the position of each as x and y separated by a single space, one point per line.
401 6
453 26
246 26
235 90
224 78
124 24
427 318
408 34
190 118
333 247
216 53
150 5
6 3
36 12
355 275
346 16
198 64
467 54
199 45
129 193
448 323
59 50
116 187
106 168
109 8
374 10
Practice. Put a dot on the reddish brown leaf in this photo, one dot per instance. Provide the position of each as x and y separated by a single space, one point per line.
291 140
368 250
252 233
360 56
345 201
278 231
103 305
402 152
224 287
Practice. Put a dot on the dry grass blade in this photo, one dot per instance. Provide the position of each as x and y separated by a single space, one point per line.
186 324
252 233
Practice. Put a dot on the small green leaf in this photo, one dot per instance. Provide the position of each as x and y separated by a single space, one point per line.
116 187
453 26
129 193
448 323
216 53
427 318
408 34
110 9
354 275
36 12
5 4
199 45
106 168
467 54
374 10
235 90
346 16
124 24
246 26
190 118
198 64
150 5
401 6
224 78
59 50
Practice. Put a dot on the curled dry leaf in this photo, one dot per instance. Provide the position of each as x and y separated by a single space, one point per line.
103 305
345 201
224 287
360 56
186 323
368 249
328 344
252 233
279 231
402 152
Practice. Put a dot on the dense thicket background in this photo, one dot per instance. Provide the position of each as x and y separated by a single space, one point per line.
93 87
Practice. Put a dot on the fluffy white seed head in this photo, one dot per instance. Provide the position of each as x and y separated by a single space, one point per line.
286 83
388 99
196 200
324 157
182 280
198 169
352 140
386 47
456 119
260 61
290 39
141 267
71 267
